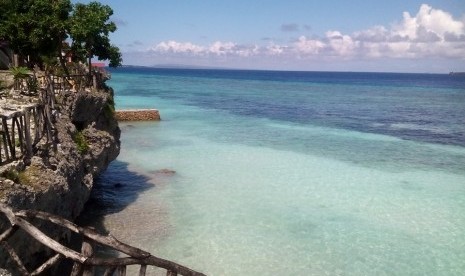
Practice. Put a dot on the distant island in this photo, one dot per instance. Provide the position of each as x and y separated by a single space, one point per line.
462 74
179 66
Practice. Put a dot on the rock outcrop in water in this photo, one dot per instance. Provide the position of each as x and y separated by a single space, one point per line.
59 179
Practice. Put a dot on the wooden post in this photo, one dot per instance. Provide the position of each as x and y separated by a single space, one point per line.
142 270
48 122
94 81
7 138
1 133
80 269
121 270
15 60
15 122
87 251
109 271
27 134
37 126
5 145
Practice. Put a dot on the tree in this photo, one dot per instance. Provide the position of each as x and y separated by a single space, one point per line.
90 29
35 28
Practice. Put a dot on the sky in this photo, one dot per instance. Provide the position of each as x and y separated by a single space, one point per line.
330 35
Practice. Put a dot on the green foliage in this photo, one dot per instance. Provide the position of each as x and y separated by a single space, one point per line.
24 178
11 174
81 142
35 28
50 63
90 30
109 108
19 72
17 142
32 84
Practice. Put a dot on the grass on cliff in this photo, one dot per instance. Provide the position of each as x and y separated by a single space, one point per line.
109 108
27 177
81 142
11 174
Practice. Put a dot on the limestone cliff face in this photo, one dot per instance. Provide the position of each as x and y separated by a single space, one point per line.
59 179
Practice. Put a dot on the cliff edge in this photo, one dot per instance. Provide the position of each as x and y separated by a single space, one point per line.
58 179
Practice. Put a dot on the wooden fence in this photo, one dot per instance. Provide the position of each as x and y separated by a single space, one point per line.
22 130
84 261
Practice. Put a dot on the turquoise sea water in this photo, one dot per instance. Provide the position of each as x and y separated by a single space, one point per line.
288 173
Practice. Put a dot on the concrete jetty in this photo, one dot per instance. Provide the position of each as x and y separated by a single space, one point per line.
137 115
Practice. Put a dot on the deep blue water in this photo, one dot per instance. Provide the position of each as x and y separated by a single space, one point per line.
419 107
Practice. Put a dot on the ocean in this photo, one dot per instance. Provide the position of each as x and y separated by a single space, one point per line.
291 173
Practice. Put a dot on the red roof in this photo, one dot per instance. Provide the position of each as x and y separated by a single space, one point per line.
98 64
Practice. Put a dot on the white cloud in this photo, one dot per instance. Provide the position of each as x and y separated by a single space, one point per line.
218 48
178 47
274 50
308 46
222 48
341 45
429 33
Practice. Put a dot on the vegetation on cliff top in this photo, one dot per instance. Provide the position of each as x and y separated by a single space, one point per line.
36 30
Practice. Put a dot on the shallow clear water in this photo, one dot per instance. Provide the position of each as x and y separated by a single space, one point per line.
281 173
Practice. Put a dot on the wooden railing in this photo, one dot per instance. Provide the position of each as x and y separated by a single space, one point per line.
21 131
84 261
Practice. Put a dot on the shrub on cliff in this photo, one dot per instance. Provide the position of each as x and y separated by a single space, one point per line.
81 142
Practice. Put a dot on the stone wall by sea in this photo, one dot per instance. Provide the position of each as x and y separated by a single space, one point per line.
138 115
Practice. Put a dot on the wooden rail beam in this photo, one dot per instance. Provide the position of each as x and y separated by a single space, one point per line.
85 261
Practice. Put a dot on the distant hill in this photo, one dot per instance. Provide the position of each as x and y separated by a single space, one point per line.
178 66
459 74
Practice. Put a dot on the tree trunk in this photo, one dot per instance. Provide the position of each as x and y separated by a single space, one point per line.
90 64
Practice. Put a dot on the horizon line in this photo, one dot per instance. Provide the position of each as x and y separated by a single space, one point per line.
200 67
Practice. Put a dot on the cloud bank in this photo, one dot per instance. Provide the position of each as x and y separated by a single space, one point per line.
431 33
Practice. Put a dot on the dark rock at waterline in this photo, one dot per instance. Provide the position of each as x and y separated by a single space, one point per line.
167 172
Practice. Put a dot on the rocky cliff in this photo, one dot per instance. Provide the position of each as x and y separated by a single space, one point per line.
59 178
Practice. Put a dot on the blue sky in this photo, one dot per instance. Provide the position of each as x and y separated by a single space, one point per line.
356 35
